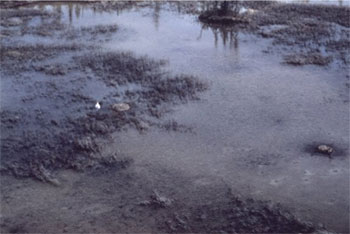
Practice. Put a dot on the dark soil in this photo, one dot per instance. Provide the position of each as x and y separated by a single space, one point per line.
304 59
308 30
312 34
237 216
293 12
35 142
221 211
75 142
21 58
139 206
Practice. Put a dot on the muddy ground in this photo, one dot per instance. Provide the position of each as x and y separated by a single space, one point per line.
65 97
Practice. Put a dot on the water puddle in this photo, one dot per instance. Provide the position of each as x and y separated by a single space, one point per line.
254 102
250 127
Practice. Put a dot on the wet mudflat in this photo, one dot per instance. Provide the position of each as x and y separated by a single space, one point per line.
127 117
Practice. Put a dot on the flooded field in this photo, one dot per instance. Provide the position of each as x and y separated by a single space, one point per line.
139 117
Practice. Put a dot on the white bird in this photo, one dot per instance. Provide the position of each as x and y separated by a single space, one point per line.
98 106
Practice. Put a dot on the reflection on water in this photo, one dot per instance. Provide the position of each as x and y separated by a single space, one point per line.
76 10
156 14
228 35
223 37
80 14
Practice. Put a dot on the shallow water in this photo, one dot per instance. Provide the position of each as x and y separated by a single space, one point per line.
252 125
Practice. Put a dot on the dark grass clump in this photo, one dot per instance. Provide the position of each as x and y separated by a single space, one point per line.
306 59
275 13
21 58
156 86
305 29
38 154
236 215
122 67
9 12
37 147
